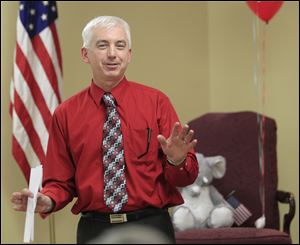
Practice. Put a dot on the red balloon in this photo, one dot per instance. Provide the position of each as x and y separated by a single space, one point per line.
265 9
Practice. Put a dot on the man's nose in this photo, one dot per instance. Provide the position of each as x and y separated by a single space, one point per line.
111 52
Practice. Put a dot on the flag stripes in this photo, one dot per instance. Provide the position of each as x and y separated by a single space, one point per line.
24 75
240 212
36 85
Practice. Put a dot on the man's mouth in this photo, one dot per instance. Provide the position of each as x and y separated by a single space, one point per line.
111 65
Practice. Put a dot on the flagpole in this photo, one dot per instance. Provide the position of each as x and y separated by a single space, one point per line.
52 228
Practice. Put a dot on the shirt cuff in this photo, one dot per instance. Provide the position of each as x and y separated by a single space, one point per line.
172 163
181 166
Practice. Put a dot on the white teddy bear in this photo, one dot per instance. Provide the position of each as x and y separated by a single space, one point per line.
204 206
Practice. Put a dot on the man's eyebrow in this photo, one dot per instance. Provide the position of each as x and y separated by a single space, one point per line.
105 41
121 41
101 41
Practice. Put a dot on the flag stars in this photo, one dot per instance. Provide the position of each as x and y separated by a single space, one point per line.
37 15
44 17
30 26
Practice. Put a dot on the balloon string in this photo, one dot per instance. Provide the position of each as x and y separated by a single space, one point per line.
263 119
259 40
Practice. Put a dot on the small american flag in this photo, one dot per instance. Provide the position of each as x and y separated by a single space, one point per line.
36 83
241 213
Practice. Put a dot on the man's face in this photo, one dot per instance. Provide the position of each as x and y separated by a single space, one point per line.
108 54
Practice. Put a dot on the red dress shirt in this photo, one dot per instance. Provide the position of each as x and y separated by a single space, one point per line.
73 166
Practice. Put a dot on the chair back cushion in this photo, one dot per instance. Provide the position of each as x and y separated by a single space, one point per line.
235 135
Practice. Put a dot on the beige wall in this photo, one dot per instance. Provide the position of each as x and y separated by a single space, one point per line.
199 54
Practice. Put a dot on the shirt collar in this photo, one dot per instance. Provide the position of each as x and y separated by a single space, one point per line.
118 91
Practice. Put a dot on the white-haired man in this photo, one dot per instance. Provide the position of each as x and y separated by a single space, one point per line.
117 145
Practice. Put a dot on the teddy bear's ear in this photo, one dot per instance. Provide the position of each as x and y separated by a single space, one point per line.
217 165
199 156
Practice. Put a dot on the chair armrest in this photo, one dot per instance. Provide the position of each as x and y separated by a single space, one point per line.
287 197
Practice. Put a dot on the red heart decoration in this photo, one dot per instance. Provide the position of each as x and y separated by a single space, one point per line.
265 9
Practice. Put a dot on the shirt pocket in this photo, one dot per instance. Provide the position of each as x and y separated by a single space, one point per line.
143 144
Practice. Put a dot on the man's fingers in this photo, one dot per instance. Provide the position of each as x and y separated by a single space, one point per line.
19 207
16 200
193 144
20 197
175 130
184 133
26 193
15 196
19 201
162 140
189 136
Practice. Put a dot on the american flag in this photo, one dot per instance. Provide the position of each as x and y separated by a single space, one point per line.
36 84
240 212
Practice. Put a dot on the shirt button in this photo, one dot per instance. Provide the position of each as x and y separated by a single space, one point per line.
181 168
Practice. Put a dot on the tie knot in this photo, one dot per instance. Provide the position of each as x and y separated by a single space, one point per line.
109 100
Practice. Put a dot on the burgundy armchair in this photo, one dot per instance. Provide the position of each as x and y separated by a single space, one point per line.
235 136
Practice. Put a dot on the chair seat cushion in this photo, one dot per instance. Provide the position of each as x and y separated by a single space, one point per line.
235 235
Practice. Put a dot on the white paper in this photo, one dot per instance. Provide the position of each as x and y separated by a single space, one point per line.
35 183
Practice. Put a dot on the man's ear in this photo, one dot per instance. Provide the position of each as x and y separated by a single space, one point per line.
129 58
84 55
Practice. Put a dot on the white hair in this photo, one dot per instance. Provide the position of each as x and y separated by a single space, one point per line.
106 22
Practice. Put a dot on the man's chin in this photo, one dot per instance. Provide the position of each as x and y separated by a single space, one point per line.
114 77
112 73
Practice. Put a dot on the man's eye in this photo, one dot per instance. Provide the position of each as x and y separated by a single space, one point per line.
102 46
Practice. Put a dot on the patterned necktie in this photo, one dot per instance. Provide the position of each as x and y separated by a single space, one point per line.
115 195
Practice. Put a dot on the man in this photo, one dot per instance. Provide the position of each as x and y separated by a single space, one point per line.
117 145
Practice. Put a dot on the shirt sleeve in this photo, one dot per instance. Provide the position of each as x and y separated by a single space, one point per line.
187 172
183 174
59 170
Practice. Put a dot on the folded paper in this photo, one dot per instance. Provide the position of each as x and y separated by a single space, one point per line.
35 183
